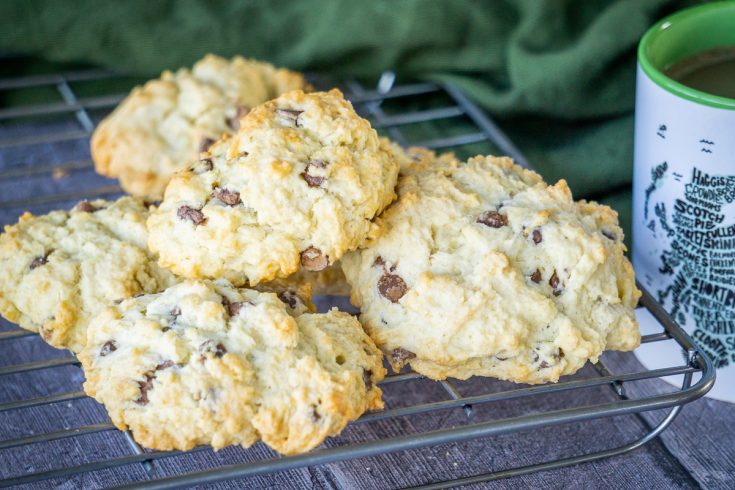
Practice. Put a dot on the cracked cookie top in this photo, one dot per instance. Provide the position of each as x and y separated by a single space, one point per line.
207 363
162 126
62 268
480 268
296 187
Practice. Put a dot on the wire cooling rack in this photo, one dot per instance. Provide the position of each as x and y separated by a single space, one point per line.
412 114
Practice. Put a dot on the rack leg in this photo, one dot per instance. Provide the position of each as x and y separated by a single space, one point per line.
617 386
147 464
449 388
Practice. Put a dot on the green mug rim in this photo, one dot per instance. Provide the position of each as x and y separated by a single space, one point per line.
668 84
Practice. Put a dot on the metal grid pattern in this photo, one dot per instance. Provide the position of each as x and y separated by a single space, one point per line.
448 104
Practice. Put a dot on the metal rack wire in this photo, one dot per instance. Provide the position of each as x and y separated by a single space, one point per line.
430 104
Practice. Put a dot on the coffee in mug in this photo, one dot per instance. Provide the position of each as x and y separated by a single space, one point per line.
711 71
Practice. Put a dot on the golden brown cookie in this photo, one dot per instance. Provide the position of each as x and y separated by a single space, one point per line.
480 268
207 363
162 126
296 187
62 268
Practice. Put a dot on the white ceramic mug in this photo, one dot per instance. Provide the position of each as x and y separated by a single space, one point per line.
684 189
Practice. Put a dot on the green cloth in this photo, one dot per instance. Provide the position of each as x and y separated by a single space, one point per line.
559 74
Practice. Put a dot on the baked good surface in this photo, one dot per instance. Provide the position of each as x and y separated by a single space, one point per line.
62 268
416 158
296 187
331 281
207 363
162 126
480 268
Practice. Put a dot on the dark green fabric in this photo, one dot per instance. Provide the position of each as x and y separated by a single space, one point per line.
559 74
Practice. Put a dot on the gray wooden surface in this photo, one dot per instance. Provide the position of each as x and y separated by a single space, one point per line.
698 450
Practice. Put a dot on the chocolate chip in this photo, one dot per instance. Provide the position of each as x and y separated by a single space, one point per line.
554 283
312 259
289 298
144 386
493 219
40 260
240 112
392 287
192 214
231 198
165 365
557 356
203 165
537 238
378 262
147 385
401 355
367 378
536 276
205 144
535 357
234 308
288 117
85 207
312 180
314 414
609 234
107 347
210 347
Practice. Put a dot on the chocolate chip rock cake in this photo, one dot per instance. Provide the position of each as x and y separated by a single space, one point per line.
480 268
60 269
162 126
296 187
207 363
